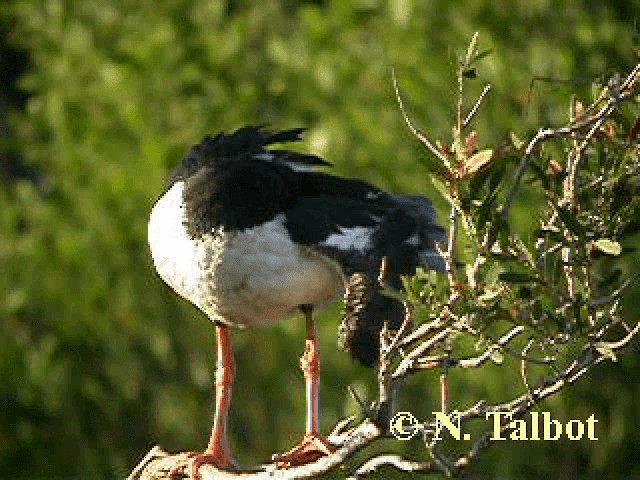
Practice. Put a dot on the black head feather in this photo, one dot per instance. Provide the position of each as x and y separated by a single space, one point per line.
235 181
246 143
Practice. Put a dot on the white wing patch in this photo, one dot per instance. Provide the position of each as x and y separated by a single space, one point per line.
413 240
373 195
354 238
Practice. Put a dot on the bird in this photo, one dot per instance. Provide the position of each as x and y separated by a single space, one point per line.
252 233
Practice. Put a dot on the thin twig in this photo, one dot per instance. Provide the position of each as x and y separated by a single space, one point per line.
396 461
407 363
419 135
476 106
523 366
421 332
624 341
495 347
592 123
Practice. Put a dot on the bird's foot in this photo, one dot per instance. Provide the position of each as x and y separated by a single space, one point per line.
219 459
311 447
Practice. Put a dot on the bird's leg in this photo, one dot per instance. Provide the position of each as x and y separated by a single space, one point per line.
218 452
310 366
313 445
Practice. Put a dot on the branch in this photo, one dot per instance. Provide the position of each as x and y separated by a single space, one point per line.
419 135
617 96
373 464
486 355
476 106
158 464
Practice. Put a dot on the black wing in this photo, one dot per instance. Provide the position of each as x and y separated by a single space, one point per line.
235 181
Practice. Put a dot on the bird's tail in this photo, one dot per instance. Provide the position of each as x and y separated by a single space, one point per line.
366 309
407 239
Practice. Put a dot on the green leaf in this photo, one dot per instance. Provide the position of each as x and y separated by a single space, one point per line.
470 73
610 277
497 357
607 246
571 221
497 176
480 55
485 210
444 191
490 294
604 349
517 277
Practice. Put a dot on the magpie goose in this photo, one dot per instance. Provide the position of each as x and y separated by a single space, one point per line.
251 234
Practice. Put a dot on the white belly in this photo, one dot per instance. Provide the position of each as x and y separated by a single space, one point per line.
256 276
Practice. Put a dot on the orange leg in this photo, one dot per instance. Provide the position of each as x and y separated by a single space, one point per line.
313 445
218 452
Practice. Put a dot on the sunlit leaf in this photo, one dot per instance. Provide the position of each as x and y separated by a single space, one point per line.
479 160
606 351
497 357
444 191
607 246
515 140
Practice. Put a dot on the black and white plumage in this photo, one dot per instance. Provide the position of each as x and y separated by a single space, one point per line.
250 233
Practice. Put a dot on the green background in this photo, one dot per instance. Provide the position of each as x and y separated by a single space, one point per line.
99 360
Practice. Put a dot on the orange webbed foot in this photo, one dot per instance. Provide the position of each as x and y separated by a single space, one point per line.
312 447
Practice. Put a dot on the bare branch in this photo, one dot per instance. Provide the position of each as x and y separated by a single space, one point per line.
476 106
406 321
486 355
624 341
448 261
407 363
419 135
373 464
451 250
159 464
420 332
523 367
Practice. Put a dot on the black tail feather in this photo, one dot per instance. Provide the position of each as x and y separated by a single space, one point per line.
366 311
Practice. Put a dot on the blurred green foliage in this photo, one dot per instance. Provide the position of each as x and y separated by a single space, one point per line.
99 360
